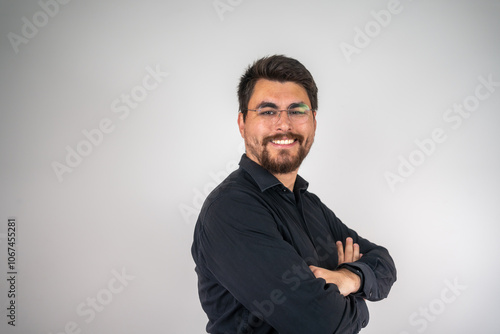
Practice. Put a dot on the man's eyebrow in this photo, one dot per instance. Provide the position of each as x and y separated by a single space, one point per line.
266 104
296 105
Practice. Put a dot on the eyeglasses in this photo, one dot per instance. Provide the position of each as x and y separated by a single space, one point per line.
298 113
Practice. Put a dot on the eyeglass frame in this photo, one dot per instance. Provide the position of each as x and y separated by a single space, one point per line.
288 110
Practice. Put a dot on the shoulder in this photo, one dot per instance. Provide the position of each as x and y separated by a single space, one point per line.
236 201
236 188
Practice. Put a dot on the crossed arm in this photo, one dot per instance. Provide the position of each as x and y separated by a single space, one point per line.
261 270
346 281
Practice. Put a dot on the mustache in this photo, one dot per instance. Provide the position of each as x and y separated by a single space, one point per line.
287 135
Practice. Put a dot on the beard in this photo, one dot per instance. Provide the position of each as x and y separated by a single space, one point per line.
285 162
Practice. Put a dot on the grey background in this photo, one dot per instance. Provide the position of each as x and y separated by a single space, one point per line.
130 205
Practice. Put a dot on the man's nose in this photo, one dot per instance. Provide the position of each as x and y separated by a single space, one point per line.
283 122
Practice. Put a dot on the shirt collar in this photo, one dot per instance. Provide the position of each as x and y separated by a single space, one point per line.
264 178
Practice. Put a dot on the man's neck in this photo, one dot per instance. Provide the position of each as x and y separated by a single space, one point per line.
287 179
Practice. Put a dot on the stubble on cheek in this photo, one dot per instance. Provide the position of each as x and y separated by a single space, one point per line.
252 148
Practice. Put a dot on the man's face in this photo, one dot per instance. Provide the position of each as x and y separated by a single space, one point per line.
279 147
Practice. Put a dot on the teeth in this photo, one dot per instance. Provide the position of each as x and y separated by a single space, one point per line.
283 142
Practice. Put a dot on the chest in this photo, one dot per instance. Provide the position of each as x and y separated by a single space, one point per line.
304 225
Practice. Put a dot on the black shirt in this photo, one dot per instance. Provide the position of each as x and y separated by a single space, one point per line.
253 243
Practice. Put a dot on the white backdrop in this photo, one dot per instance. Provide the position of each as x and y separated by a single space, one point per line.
118 117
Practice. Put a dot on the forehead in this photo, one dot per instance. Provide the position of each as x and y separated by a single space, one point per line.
281 93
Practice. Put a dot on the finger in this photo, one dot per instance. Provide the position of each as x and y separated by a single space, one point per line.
340 251
317 271
349 250
356 255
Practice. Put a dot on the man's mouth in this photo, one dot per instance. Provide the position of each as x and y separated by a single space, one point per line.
283 141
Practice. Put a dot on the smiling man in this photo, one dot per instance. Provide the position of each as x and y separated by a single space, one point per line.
270 256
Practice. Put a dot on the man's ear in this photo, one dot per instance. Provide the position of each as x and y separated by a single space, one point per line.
241 124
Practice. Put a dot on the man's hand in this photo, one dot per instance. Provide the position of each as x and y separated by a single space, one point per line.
346 281
351 253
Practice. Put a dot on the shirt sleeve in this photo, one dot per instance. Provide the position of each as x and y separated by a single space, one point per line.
245 251
377 267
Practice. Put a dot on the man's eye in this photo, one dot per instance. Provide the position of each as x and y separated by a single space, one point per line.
267 112
297 112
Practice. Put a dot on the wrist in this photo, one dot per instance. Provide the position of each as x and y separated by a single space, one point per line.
354 278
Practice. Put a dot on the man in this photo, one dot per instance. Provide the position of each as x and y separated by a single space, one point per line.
270 256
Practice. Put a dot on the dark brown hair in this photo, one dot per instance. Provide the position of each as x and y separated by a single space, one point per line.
276 68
